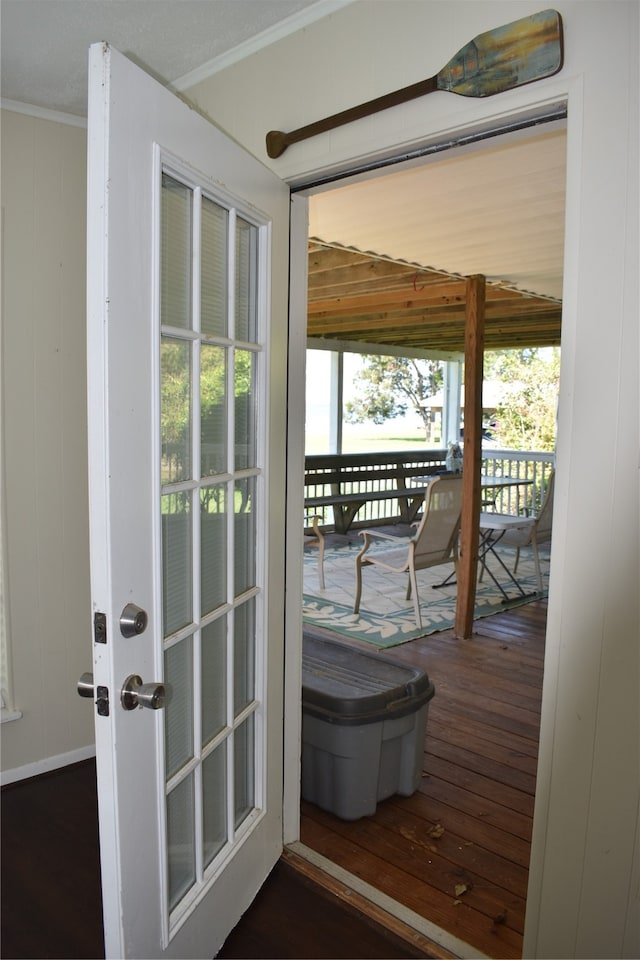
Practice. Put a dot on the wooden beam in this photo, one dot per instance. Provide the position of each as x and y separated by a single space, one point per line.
469 534
365 275
403 298
360 298
328 258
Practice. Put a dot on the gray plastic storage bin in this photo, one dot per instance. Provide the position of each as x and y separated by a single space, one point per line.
364 721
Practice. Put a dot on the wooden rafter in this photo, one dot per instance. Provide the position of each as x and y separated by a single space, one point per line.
360 296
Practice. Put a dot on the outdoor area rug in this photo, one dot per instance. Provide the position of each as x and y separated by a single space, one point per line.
386 618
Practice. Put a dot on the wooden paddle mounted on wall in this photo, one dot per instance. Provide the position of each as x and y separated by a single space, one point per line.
520 52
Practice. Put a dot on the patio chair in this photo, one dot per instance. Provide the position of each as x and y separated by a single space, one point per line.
315 539
534 533
434 542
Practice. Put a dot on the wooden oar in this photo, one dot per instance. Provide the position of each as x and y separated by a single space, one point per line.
501 59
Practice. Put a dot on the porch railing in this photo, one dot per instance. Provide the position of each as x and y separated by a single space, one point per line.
379 471
332 475
525 465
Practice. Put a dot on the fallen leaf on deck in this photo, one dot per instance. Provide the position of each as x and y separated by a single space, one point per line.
461 888
409 834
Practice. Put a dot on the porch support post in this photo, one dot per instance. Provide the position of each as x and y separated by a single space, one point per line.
451 402
469 534
335 401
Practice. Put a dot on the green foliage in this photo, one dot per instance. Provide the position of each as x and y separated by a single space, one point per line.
177 386
526 419
176 392
389 386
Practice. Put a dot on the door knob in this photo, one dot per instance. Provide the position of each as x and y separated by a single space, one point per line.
135 693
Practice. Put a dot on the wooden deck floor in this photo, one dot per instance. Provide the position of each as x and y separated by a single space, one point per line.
457 852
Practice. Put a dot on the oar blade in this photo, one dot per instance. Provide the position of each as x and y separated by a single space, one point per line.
520 52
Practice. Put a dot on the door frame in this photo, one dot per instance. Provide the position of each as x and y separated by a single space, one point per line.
568 93
296 379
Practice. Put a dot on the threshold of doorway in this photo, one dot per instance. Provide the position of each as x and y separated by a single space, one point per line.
409 926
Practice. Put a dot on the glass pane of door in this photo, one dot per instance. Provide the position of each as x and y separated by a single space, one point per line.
210 368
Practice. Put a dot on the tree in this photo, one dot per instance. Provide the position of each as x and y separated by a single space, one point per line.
389 386
214 387
526 418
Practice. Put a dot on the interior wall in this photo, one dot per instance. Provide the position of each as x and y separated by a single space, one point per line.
583 894
44 409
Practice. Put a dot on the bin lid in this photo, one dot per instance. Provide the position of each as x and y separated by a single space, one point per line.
342 684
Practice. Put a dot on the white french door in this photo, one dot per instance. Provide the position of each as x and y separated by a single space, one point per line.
187 325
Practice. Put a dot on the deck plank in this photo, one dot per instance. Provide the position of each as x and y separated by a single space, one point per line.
486 741
481 807
503 773
487 835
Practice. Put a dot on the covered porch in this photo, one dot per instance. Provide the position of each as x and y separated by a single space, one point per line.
372 304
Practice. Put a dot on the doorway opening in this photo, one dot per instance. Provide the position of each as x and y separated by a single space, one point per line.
452 860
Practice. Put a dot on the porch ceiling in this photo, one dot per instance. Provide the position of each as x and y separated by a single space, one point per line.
361 297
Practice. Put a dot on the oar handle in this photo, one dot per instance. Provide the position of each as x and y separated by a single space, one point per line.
277 142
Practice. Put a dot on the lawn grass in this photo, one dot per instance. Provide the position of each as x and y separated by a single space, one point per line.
368 438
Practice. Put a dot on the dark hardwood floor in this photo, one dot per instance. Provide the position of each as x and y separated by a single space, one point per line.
51 897
293 917
468 826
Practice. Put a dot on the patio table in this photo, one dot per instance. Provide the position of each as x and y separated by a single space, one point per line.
493 527
485 481
501 483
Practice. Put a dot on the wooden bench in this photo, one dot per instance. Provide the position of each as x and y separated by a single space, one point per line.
345 482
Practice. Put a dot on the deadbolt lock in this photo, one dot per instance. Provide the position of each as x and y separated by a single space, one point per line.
133 620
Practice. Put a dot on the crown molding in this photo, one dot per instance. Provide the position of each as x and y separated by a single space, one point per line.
297 21
42 113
